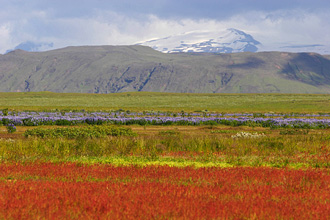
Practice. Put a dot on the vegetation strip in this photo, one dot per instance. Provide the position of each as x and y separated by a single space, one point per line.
306 121
80 132
197 162
196 146
148 101
76 191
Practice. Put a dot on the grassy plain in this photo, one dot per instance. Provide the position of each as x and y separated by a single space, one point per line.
199 146
147 101
166 172
174 145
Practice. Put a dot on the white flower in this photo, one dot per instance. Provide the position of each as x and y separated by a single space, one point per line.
243 134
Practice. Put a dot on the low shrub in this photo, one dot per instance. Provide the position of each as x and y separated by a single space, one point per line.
5 112
169 132
11 128
294 131
222 131
80 132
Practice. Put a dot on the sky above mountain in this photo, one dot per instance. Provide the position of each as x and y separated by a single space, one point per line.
122 22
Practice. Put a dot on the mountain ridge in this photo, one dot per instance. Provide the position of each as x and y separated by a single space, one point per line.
111 69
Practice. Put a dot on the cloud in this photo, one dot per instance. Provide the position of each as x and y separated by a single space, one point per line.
113 24
272 29
4 36
283 27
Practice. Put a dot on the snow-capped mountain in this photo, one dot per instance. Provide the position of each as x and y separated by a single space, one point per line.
228 41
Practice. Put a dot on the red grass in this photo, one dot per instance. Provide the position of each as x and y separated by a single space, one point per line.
72 191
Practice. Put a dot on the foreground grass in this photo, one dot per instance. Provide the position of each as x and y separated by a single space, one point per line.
153 175
166 172
76 191
147 101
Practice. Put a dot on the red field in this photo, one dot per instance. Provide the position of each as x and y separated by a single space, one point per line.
73 191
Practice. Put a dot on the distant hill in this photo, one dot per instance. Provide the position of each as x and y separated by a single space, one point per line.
110 69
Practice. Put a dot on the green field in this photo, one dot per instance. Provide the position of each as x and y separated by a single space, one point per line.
147 101
175 145
109 171
199 146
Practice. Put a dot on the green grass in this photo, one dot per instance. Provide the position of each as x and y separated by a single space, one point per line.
174 145
140 101
79 132
177 146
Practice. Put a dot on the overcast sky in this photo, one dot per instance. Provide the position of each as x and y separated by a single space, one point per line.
124 22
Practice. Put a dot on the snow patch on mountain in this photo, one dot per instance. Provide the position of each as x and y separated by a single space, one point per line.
227 41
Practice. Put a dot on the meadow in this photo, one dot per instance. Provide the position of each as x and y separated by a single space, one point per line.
164 156
148 101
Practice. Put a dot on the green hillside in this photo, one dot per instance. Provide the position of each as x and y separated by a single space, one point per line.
111 69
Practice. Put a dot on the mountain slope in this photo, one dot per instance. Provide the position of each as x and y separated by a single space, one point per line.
109 69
